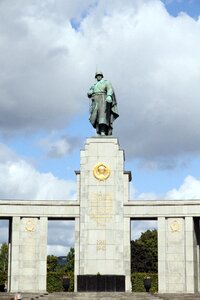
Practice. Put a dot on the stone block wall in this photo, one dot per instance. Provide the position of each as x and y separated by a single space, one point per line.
177 255
28 254
104 241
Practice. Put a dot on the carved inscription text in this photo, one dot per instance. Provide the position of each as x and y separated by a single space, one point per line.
101 245
101 208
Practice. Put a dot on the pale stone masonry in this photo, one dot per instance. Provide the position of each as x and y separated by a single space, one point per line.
28 255
102 214
178 259
28 240
104 244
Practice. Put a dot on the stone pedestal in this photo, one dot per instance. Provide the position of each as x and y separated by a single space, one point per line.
28 254
103 245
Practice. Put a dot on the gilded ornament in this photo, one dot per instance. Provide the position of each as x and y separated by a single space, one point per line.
101 171
30 226
175 226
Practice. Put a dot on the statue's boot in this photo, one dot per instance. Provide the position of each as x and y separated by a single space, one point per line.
110 131
102 129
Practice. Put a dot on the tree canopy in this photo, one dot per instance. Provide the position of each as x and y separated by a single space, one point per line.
144 252
3 263
69 267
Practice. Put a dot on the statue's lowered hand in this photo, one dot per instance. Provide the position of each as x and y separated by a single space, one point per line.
109 99
89 94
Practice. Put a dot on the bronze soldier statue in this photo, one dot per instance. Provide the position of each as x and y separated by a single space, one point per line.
103 109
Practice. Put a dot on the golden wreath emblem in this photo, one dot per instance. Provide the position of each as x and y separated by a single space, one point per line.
30 226
175 226
101 171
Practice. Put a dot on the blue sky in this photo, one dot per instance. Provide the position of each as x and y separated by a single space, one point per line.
148 49
190 7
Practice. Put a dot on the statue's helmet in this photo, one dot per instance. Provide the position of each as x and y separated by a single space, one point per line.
98 73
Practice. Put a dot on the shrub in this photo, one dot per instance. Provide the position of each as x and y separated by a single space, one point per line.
3 277
71 283
54 282
137 279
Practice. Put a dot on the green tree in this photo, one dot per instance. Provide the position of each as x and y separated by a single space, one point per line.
52 263
56 272
3 263
69 267
144 253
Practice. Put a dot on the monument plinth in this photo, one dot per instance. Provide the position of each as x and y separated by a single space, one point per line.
104 233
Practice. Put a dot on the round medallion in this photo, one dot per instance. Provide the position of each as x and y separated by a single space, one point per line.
30 226
101 171
175 226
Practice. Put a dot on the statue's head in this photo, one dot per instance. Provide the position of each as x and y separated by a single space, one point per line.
98 74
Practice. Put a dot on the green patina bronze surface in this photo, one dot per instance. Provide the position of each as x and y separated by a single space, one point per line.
103 108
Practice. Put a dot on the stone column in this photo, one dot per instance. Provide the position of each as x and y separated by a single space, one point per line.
28 254
77 252
103 188
198 269
127 253
14 255
162 286
191 256
177 255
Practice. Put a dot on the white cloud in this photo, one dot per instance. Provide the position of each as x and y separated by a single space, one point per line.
190 189
60 237
58 146
20 180
137 227
3 231
147 196
37 66
57 250
152 59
